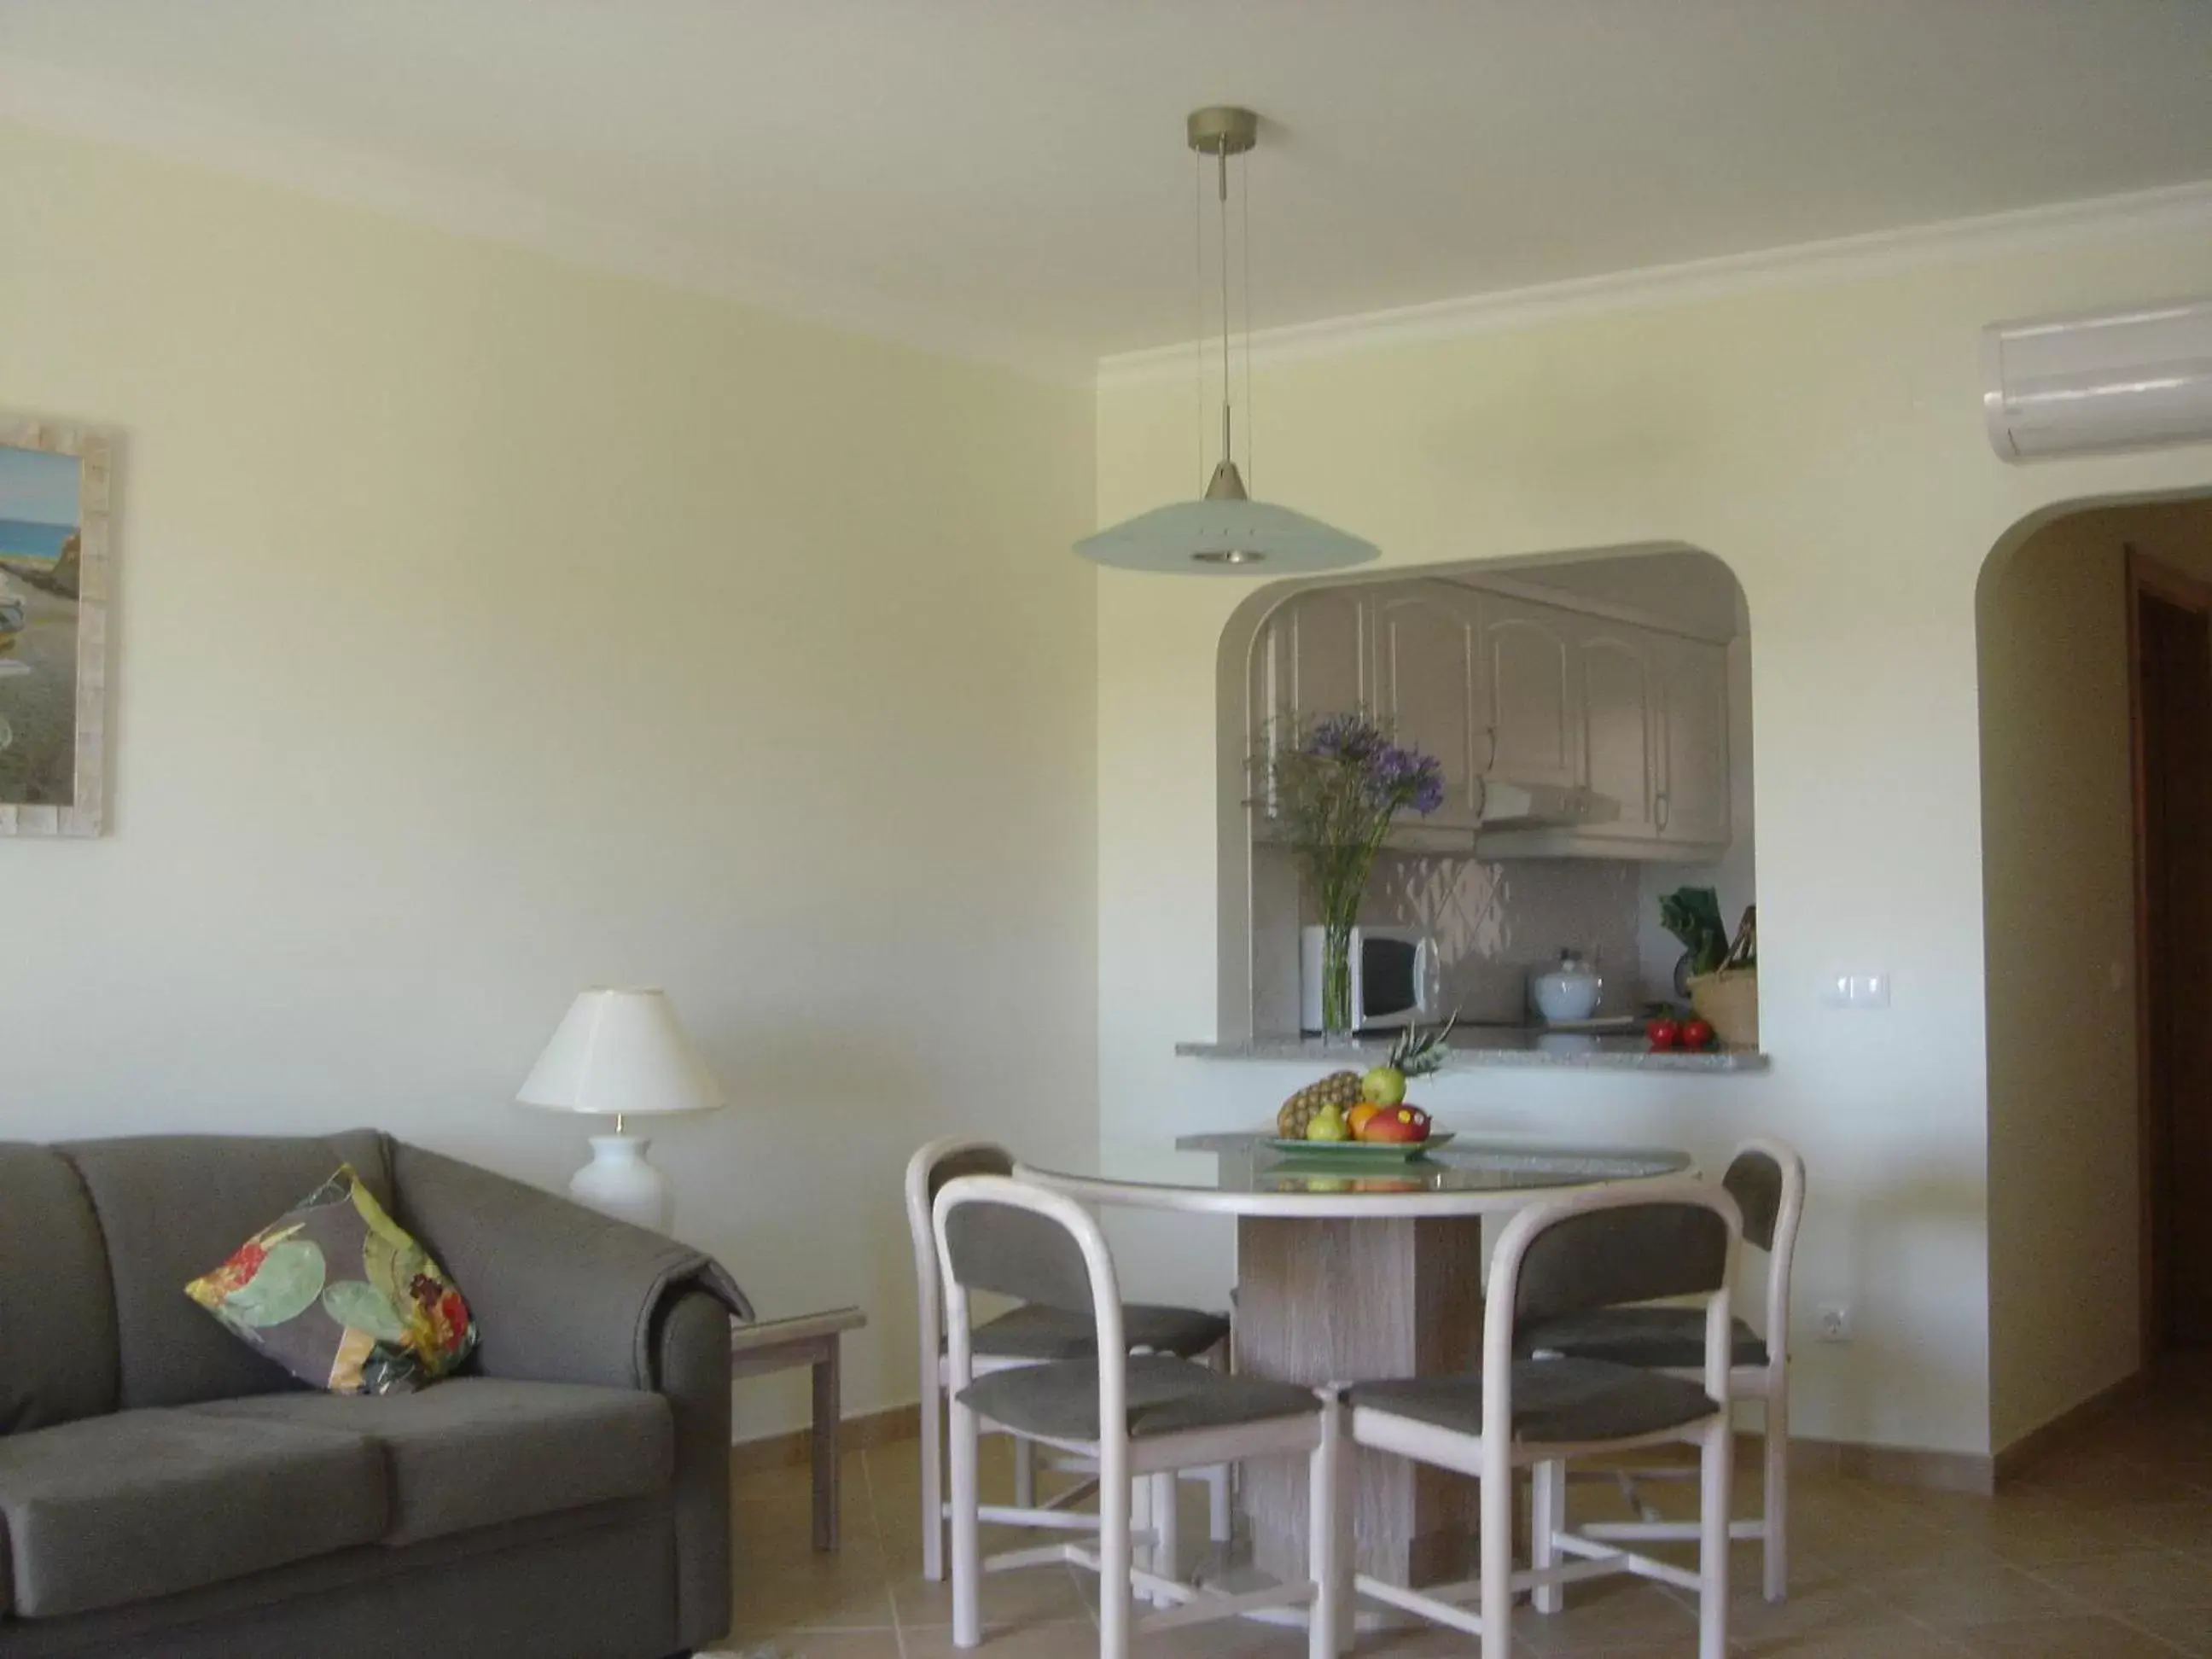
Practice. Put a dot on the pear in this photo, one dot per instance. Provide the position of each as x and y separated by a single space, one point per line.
1329 1124
1383 1086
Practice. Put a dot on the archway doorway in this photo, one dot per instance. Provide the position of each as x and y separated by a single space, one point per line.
2095 637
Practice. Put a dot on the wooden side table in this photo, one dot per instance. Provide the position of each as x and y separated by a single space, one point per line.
779 1344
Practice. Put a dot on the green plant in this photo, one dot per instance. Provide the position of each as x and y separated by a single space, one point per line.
1693 915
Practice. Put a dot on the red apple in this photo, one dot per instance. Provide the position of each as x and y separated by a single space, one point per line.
1397 1126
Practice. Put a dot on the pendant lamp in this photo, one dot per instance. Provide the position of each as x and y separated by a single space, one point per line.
1225 532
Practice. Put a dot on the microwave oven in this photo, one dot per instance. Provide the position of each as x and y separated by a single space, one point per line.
1394 978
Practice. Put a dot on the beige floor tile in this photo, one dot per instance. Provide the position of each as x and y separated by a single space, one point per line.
1040 1641
1968 1591
2163 1526
1605 1614
2189 1629
1029 1595
2136 1579
1911 1643
2093 1637
814 1645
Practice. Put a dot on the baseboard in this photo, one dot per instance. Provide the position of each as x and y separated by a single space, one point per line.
2038 1443
1889 1466
857 1432
1895 1466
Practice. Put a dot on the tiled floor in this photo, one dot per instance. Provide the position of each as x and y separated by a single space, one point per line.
2103 1553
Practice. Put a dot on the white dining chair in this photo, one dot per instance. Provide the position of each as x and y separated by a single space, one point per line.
1596 1248
1134 1416
1767 1180
1030 1334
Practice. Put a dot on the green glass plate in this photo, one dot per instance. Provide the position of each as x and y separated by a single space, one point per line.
1362 1152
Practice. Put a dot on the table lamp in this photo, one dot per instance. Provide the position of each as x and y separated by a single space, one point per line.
621 1053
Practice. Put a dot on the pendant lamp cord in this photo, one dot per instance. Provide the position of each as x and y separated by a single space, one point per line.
1198 295
1223 197
1245 253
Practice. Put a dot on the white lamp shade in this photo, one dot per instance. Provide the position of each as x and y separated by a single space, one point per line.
621 1052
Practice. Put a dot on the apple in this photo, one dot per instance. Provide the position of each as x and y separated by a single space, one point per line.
1398 1126
1385 1085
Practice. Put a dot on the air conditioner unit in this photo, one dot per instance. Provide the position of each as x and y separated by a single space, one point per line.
2132 378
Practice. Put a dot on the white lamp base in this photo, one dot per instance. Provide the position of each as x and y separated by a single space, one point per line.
619 1182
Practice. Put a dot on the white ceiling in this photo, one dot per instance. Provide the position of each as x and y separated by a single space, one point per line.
1009 175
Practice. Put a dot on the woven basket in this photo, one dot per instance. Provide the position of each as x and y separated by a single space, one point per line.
1729 1002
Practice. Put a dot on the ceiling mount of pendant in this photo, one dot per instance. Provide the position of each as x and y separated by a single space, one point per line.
1221 129
1226 531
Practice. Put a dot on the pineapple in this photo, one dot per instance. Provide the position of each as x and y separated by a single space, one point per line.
1413 1053
1339 1089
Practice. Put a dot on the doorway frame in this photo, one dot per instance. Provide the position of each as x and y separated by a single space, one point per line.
2148 577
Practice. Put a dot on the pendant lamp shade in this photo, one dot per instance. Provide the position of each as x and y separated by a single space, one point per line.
1225 532
1225 535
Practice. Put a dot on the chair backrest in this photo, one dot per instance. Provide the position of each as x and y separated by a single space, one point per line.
926 1172
1013 1239
1603 1247
1767 1180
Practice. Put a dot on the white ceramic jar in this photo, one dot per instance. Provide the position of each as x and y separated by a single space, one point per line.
1569 991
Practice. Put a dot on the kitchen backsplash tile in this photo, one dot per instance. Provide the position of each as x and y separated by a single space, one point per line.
1494 923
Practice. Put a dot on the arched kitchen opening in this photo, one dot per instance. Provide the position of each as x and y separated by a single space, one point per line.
1590 715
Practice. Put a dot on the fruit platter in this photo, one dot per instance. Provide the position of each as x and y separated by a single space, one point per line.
1366 1118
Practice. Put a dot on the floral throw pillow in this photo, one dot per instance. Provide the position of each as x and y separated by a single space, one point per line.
339 1295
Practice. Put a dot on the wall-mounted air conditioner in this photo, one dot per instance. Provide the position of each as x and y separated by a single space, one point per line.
2131 379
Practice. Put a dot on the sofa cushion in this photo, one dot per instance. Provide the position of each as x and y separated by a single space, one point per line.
57 1358
112 1510
340 1295
169 1205
476 1451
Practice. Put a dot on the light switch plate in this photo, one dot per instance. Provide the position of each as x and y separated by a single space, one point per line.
1856 991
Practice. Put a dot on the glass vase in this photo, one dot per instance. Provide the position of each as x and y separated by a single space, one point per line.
1336 1025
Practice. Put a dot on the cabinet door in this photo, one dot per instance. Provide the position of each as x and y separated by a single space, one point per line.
1619 729
1693 750
1428 635
1313 657
1527 673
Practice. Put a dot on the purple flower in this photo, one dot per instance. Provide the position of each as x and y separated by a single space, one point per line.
1351 737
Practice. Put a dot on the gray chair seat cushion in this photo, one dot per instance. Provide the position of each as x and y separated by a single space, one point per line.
1036 1332
108 1510
1671 1337
1555 1401
1166 1395
474 1451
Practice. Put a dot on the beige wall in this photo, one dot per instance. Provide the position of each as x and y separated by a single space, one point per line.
1826 443
2058 865
489 629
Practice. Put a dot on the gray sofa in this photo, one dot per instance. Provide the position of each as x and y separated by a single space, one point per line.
165 1491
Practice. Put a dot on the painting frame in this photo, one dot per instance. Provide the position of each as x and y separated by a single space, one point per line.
85 813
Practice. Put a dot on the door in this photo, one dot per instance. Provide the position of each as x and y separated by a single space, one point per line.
1693 803
1620 721
1527 673
2173 837
1430 694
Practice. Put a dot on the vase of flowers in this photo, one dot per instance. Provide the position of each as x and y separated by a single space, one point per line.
1339 784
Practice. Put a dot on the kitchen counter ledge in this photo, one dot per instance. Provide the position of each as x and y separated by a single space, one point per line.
1481 1048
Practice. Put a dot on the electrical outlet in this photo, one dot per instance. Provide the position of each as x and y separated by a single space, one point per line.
1855 991
1833 1323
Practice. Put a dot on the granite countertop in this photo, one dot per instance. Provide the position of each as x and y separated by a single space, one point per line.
1490 1045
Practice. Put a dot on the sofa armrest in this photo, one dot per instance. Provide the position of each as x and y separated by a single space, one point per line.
561 1293
692 1353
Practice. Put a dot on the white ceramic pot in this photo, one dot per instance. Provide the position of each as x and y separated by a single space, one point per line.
1567 992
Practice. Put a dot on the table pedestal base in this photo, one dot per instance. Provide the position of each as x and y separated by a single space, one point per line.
1342 1301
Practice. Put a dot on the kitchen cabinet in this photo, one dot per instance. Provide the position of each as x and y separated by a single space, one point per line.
1429 688
1497 685
1693 797
1528 677
1622 728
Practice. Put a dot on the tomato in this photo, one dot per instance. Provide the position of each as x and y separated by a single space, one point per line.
1664 1033
1697 1033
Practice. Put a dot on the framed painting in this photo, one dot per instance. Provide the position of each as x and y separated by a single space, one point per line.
54 553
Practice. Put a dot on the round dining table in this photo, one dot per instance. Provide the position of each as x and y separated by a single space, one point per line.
1354 1265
